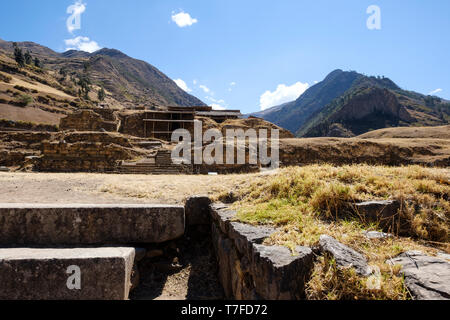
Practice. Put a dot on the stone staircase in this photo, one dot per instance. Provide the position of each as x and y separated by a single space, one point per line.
79 252
159 165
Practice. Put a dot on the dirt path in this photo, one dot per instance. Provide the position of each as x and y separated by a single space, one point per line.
111 188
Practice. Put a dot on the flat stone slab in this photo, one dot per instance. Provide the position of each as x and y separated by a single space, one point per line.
74 224
344 256
427 278
66 274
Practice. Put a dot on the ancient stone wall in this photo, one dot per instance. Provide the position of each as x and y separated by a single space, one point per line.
248 269
91 120
81 157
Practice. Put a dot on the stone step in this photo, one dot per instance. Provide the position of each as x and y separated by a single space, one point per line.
89 224
66 274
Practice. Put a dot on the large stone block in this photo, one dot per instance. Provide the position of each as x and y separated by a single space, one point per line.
427 278
32 224
344 256
66 274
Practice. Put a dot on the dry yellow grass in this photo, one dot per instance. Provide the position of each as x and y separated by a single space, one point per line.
314 200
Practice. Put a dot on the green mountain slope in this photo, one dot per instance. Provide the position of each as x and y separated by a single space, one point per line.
346 104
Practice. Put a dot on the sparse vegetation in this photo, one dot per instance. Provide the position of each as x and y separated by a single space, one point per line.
307 202
101 94
18 55
24 100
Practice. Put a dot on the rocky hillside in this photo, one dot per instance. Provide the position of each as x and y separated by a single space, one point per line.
347 104
79 76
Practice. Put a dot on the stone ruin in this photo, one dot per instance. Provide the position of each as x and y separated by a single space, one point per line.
100 252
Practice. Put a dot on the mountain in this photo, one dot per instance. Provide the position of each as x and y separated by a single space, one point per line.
128 82
347 104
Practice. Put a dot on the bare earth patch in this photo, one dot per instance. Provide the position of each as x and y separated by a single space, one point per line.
112 188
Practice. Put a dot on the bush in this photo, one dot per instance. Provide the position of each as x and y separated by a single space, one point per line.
20 88
5 78
24 100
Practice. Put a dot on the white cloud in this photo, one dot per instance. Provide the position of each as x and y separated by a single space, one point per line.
194 82
182 85
216 106
82 44
221 101
233 84
183 19
204 88
75 10
282 95
435 91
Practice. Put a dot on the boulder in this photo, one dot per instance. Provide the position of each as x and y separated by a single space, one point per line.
382 212
426 277
344 256
66 274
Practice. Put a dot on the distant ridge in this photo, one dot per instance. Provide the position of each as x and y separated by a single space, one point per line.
347 104
129 81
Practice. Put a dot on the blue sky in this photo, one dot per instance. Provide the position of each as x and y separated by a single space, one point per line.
250 54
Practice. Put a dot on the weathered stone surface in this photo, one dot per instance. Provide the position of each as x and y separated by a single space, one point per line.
280 275
91 120
44 274
222 215
249 270
4 169
427 278
197 210
377 235
344 256
378 211
32 224
244 235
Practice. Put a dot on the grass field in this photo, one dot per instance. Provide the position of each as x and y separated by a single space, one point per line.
306 202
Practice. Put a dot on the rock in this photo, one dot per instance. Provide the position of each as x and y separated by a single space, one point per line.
344 256
51 274
244 235
278 274
33 224
443 255
197 210
221 215
382 212
4 169
427 278
377 235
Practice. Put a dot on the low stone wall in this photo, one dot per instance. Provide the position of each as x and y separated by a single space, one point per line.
248 269
82 157
91 120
